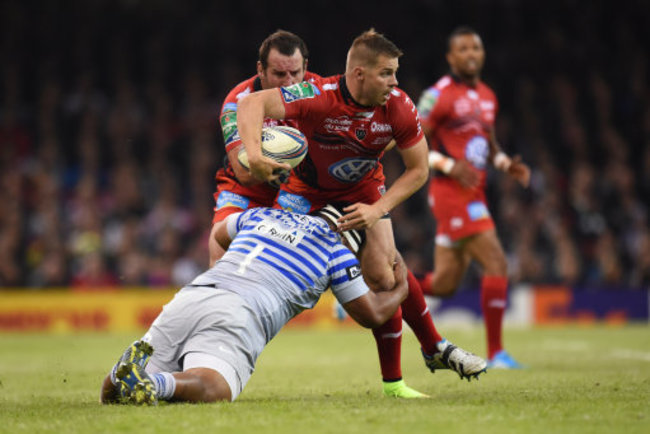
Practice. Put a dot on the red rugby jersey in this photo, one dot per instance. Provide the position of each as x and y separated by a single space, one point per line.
228 121
346 140
461 118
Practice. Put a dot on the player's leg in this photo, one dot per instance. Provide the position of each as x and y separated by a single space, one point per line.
486 249
377 261
451 263
438 353
127 382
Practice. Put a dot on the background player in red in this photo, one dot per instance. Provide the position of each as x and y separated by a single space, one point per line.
457 115
282 61
349 120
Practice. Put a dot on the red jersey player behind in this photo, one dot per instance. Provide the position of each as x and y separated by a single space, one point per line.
349 120
457 115
282 61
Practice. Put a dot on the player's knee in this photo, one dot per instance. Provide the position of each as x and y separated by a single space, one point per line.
497 266
446 282
214 389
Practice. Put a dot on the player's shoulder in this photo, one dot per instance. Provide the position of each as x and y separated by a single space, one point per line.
400 101
238 92
485 90
445 83
312 77
316 87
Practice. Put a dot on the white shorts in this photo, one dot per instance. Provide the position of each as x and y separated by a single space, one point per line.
204 327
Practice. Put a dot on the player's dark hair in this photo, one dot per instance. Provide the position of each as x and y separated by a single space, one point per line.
459 31
286 43
375 44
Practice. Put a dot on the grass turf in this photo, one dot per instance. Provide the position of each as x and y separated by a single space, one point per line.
578 379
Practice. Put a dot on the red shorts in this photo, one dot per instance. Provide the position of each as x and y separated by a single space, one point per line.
232 197
299 197
459 212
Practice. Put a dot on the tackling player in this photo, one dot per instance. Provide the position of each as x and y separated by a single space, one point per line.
282 61
457 115
349 120
206 341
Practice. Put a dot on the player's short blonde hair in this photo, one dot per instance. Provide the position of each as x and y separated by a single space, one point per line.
368 46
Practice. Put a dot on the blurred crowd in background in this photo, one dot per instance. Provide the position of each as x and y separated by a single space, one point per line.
109 138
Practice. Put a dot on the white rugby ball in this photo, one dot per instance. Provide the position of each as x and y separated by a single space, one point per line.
281 143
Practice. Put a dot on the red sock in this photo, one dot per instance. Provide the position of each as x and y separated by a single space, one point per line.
426 283
416 314
389 345
493 303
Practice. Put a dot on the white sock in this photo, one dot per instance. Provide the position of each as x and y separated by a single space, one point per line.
112 375
165 384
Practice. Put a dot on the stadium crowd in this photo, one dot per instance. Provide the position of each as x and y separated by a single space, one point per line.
109 138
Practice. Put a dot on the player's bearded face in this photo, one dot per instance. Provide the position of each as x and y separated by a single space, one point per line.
379 80
282 70
466 55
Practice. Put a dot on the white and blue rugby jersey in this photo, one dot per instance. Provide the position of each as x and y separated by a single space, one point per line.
281 262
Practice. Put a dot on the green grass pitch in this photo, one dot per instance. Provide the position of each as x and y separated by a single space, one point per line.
578 380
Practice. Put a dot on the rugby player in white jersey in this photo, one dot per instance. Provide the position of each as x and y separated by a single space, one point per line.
204 345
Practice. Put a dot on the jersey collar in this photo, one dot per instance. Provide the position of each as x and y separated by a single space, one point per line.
347 96
257 84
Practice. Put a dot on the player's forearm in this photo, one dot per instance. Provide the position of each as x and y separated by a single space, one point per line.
250 118
387 302
408 183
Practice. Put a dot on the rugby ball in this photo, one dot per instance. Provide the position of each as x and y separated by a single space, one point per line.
281 143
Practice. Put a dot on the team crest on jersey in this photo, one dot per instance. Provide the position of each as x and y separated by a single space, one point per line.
360 133
229 126
299 91
351 169
353 271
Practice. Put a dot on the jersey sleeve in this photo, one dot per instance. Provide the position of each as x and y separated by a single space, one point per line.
345 275
234 224
303 99
406 124
228 121
433 107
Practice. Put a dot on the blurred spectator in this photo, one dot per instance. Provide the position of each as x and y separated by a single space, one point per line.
109 138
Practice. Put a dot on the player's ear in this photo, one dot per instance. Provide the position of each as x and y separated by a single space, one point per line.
260 69
448 57
359 72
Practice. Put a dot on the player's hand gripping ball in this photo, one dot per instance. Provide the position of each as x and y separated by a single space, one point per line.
281 143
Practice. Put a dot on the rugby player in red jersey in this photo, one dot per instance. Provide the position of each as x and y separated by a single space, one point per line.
349 120
457 115
282 62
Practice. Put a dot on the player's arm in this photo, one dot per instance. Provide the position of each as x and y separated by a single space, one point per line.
228 122
362 216
251 112
225 233
375 308
512 166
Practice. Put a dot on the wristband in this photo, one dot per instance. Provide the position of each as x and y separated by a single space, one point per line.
501 161
440 162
